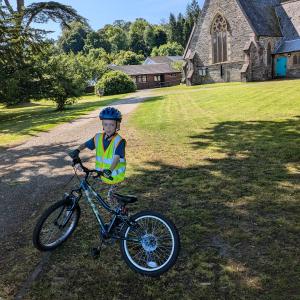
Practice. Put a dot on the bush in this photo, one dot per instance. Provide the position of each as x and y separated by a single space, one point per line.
115 82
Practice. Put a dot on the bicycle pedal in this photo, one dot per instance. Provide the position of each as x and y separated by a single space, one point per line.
95 252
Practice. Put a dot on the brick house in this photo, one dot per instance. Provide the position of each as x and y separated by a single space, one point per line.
244 40
151 75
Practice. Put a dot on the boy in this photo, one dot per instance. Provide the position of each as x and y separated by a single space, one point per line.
110 148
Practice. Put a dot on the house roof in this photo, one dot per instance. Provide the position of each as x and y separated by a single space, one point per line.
163 59
262 16
145 69
289 46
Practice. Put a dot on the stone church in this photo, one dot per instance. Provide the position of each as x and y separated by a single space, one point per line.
244 40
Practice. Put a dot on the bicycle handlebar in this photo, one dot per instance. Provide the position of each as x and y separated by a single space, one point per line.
87 171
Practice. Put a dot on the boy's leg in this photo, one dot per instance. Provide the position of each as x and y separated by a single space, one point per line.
110 195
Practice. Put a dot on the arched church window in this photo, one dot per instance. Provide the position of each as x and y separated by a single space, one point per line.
219 39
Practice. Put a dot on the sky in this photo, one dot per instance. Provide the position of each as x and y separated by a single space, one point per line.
103 12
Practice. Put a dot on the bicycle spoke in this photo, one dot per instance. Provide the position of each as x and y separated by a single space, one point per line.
51 231
155 246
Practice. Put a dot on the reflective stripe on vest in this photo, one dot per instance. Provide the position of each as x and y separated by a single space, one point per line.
104 158
107 160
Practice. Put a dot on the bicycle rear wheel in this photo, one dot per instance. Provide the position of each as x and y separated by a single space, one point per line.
55 225
153 244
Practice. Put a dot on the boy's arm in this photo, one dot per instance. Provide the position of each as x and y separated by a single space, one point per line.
81 147
115 162
88 144
107 172
120 153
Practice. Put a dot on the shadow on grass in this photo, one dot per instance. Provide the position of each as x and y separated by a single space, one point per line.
238 218
27 122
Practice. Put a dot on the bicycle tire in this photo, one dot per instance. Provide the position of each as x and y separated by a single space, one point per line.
38 243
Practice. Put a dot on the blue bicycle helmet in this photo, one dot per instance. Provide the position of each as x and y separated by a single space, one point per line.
110 113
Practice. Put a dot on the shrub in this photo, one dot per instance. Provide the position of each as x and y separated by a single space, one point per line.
115 82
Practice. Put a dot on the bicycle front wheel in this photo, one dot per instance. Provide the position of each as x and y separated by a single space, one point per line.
150 246
55 225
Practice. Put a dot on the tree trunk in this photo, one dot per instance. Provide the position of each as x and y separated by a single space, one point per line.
60 104
20 5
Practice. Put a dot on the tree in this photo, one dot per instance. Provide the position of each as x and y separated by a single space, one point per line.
22 46
193 11
127 58
180 30
160 36
177 65
60 82
172 28
73 37
18 77
42 12
116 37
95 40
122 24
176 27
149 37
171 48
99 54
136 36
91 67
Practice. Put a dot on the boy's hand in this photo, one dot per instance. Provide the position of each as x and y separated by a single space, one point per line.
107 173
74 153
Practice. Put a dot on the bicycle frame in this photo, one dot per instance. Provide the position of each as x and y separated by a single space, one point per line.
90 194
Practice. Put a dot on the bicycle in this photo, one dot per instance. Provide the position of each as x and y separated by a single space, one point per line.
149 242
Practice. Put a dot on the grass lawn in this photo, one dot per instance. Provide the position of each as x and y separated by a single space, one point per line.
223 162
20 122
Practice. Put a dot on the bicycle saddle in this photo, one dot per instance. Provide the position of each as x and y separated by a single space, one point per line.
125 199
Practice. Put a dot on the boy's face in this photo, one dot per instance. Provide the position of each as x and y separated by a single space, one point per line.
109 126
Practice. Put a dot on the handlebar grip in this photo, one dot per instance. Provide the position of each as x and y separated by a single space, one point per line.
110 177
100 173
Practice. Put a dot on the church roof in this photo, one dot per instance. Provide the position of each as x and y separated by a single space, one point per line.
288 29
262 16
289 46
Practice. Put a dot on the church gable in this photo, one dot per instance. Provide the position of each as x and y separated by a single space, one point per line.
220 35
194 37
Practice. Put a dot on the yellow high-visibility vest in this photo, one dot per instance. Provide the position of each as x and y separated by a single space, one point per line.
104 158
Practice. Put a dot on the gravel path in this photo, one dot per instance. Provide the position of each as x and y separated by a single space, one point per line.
32 172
